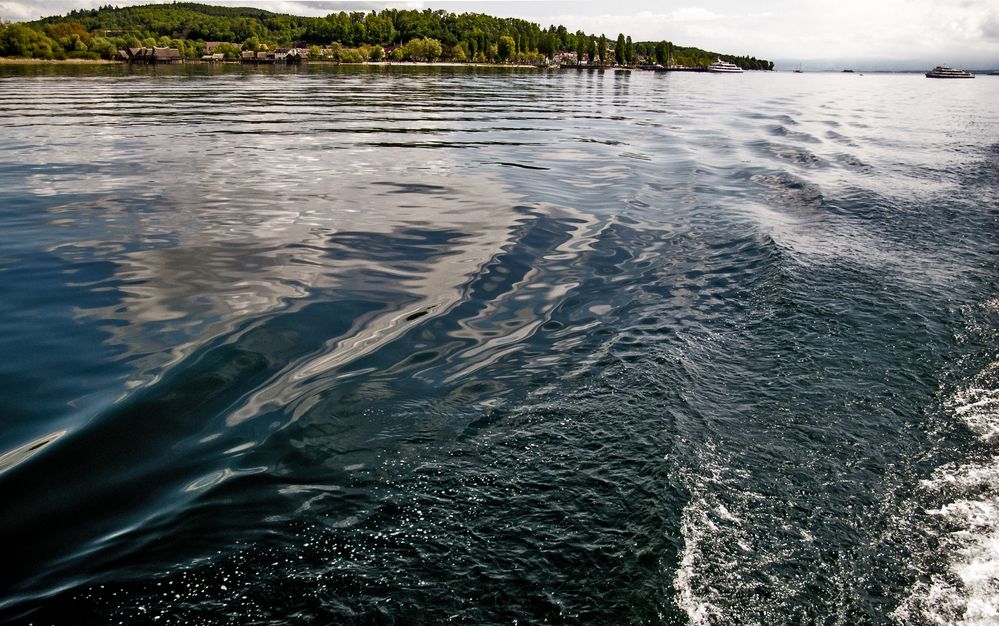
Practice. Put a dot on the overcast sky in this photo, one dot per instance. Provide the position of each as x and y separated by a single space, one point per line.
892 34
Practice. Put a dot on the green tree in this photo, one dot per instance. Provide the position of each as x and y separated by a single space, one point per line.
187 25
18 40
352 55
546 45
231 51
505 48
662 53
425 49
377 53
70 35
381 30
103 47
434 49
629 51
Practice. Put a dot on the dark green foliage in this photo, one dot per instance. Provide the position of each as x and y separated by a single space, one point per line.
99 33
230 51
425 49
506 48
18 40
694 57
662 53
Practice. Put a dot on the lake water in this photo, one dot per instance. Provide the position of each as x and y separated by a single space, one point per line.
418 345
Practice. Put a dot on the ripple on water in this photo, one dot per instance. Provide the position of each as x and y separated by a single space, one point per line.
378 344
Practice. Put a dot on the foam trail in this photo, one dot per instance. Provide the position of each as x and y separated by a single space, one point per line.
695 523
967 523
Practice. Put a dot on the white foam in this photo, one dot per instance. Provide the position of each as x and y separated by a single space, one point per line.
967 594
978 408
716 543
694 525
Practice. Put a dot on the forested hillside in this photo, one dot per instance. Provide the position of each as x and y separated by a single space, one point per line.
99 33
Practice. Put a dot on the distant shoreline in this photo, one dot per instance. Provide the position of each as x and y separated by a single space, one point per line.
26 61
438 64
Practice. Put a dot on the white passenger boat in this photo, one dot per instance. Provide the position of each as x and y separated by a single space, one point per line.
942 71
724 67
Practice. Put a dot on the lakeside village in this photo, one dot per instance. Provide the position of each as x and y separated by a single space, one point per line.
419 50
187 32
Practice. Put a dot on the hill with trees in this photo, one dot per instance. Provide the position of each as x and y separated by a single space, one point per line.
427 34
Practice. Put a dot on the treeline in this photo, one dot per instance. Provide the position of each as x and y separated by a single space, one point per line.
664 52
99 33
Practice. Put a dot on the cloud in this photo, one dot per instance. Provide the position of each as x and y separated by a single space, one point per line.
694 14
990 26
19 11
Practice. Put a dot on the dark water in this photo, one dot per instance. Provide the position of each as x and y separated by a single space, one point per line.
477 346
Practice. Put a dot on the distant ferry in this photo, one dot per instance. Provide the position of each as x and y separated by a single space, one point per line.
942 71
724 67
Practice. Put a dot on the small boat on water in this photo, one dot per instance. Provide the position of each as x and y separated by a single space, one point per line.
942 71
724 67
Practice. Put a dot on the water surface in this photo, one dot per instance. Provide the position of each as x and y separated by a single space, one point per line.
416 345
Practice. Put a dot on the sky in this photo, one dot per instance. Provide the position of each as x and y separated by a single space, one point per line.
861 34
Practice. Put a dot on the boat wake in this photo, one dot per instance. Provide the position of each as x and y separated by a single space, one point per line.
959 583
706 525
